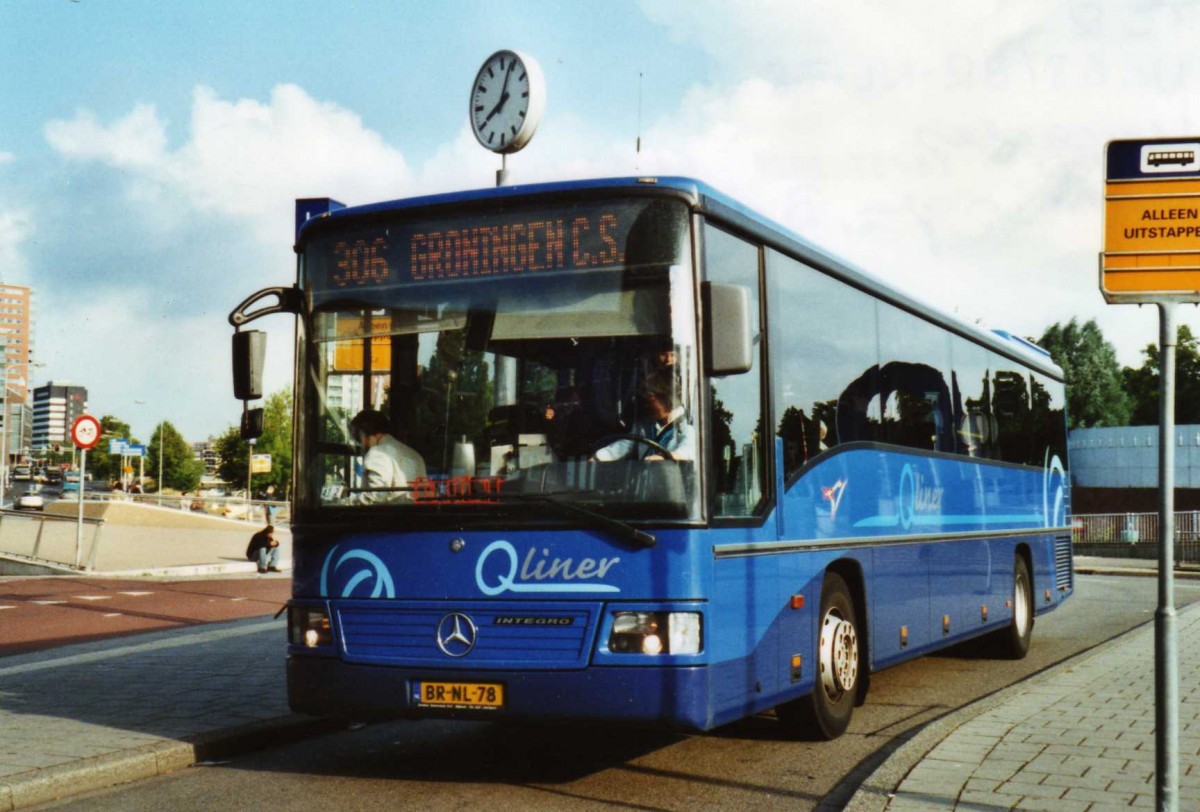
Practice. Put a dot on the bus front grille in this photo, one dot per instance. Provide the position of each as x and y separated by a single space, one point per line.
541 636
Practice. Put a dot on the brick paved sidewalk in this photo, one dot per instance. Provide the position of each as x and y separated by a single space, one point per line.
1078 738
92 715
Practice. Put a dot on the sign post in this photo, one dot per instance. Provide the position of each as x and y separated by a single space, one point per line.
1152 256
85 433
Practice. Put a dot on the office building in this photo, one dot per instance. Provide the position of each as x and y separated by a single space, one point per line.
16 332
55 407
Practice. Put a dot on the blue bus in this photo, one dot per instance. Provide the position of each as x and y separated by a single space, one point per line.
654 460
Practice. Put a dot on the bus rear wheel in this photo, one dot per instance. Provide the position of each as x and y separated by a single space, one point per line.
826 712
1012 642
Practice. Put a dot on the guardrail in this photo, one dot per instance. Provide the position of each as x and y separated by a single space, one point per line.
61 537
256 511
1135 535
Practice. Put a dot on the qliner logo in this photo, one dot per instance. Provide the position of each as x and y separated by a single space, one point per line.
358 573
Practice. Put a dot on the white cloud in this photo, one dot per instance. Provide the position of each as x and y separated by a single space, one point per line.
16 226
241 162
954 150
242 159
134 142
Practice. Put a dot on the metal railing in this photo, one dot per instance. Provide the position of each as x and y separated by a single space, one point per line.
58 546
1135 535
256 511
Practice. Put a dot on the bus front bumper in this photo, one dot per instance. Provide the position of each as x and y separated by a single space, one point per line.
672 697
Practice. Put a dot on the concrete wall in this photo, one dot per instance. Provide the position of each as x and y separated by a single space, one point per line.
134 537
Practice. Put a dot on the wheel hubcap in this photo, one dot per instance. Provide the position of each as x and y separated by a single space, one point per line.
1021 605
839 655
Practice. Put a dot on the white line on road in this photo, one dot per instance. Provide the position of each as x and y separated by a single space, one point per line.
140 648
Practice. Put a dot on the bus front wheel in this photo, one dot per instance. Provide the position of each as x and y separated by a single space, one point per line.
825 713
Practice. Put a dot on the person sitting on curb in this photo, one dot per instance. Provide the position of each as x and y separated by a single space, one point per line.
264 549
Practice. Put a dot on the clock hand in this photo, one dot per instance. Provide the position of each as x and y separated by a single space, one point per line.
503 91
496 109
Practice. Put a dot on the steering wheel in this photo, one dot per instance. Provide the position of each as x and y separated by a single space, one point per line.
637 438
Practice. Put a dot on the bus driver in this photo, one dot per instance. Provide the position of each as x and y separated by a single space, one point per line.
666 424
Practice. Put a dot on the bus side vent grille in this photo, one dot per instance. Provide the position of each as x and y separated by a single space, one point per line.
1063 574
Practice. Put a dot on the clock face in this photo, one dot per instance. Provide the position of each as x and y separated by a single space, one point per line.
506 101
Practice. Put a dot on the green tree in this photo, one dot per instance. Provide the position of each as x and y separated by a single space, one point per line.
276 440
102 465
1096 393
180 468
231 451
1142 383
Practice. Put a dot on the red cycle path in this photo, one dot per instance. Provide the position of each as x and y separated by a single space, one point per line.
42 613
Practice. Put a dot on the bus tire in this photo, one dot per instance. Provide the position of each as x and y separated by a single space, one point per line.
1012 642
825 713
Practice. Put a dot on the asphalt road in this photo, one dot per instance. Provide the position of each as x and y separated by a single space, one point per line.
747 765
41 613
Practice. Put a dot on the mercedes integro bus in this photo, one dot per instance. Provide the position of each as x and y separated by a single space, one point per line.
654 459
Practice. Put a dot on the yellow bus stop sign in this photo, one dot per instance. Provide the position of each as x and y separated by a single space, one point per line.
1151 221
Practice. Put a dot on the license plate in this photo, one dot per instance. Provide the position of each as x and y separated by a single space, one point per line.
488 696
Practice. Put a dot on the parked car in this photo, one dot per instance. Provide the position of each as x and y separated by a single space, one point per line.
22 473
32 499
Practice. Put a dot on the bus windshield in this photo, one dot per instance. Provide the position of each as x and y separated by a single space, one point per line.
494 360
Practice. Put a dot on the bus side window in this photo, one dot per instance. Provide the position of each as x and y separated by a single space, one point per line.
735 422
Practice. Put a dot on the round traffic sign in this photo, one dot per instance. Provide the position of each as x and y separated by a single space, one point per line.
85 432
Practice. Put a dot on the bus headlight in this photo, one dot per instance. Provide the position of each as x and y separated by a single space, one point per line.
308 626
655 633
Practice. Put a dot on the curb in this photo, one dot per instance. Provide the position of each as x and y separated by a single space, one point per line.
885 775
1188 574
148 761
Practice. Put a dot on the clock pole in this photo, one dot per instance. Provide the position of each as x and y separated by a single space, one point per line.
502 172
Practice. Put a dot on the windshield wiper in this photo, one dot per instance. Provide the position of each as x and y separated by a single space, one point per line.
619 529
622 531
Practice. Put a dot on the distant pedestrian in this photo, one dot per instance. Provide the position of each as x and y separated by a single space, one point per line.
264 549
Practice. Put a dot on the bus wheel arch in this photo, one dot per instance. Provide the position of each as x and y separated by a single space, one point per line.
842 663
1012 641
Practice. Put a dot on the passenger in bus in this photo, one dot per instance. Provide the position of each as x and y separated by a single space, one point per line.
665 423
387 462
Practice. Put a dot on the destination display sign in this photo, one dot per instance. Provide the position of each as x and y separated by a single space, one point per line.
1152 221
517 242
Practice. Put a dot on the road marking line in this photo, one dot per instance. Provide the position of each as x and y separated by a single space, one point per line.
112 614
93 597
136 594
196 638
8 607
48 603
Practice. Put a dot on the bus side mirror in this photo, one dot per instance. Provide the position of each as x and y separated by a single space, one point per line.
252 424
249 350
729 347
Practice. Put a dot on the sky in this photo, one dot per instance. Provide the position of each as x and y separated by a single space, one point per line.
151 152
